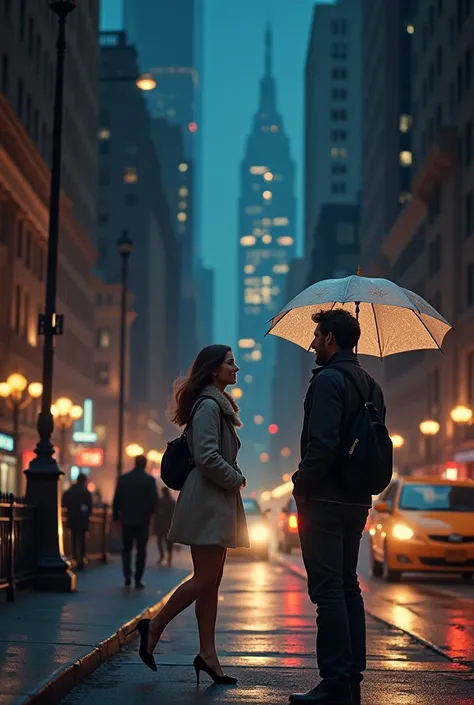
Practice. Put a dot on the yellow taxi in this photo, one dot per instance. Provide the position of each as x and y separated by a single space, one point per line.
423 524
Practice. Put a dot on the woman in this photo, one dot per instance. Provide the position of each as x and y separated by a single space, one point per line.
163 517
209 515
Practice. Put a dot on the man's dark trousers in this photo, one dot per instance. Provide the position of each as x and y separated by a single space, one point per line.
134 533
330 535
78 540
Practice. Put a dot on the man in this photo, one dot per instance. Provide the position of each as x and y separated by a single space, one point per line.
78 502
135 502
332 518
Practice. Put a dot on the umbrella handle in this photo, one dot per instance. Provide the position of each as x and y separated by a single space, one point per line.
357 303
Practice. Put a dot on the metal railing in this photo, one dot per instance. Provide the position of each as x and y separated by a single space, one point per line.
18 549
17 544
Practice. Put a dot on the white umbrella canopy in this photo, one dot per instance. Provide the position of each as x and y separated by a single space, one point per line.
392 319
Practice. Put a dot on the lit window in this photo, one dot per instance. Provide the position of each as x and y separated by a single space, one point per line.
285 241
405 123
406 158
249 269
281 269
266 281
183 191
246 343
266 239
252 296
257 231
103 338
258 170
182 217
410 29
338 152
266 222
183 167
248 240
104 133
268 176
274 128
256 355
280 221
130 175
248 379
404 197
267 195
264 457
258 420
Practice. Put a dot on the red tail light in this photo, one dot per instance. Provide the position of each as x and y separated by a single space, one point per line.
293 522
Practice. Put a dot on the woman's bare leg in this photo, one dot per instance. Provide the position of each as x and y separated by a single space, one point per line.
207 562
206 615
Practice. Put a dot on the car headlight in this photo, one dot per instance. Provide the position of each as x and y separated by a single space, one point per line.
402 532
258 533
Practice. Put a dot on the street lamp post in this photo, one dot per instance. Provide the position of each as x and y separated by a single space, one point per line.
43 474
18 394
429 428
65 413
124 247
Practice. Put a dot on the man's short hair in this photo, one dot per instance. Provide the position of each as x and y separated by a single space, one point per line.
342 324
140 461
81 478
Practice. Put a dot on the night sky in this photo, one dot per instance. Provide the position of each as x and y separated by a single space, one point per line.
233 65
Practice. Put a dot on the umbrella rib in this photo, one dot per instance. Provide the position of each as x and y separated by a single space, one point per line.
428 331
377 329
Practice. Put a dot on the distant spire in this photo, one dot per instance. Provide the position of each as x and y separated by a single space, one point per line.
268 50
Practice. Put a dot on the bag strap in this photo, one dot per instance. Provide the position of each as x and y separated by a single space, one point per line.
351 378
196 407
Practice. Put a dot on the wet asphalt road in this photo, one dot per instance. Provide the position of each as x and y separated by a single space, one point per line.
266 639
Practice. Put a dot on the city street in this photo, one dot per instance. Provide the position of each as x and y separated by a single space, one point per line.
265 638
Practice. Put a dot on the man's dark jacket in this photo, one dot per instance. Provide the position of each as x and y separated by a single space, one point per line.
330 408
136 498
78 502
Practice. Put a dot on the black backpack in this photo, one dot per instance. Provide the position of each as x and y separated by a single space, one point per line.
177 461
365 461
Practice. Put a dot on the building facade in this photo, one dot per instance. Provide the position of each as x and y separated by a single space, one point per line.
267 227
27 71
333 110
133 197
430 247
388 39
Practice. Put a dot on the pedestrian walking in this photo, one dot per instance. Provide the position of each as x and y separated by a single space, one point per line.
78 503
135 503
163 517
209 515
333 508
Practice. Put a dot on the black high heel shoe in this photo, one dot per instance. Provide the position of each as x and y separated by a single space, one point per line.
200 665
143 628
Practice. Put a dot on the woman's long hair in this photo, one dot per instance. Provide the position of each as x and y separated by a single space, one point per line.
187 389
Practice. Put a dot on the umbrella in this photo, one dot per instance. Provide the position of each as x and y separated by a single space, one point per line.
392 319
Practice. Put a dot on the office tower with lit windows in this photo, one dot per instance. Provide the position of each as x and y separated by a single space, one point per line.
267 227
388 37
333 111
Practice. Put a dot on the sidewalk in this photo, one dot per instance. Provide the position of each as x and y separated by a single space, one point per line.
50 642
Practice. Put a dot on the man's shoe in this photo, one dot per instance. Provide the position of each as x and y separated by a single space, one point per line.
323 695
139 585
127 582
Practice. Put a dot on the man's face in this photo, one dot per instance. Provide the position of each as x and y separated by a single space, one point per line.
321 346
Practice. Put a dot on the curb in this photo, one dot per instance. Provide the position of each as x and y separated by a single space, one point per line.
300 572
55 687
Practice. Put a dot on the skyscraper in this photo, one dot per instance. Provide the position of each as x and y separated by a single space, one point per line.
267 213
388 38
333 113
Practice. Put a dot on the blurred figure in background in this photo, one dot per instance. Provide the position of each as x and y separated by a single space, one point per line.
78 502
163 519
135 502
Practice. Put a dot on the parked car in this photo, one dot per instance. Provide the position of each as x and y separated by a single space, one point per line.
287 527
423 524
259 532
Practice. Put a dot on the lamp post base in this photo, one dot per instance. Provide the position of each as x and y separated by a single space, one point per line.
53 570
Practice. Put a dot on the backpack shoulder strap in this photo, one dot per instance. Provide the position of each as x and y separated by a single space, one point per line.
345 373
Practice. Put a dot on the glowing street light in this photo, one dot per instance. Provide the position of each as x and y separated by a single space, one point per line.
133 449
461 414
236 393
397 440
264 457
430 427
146 82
